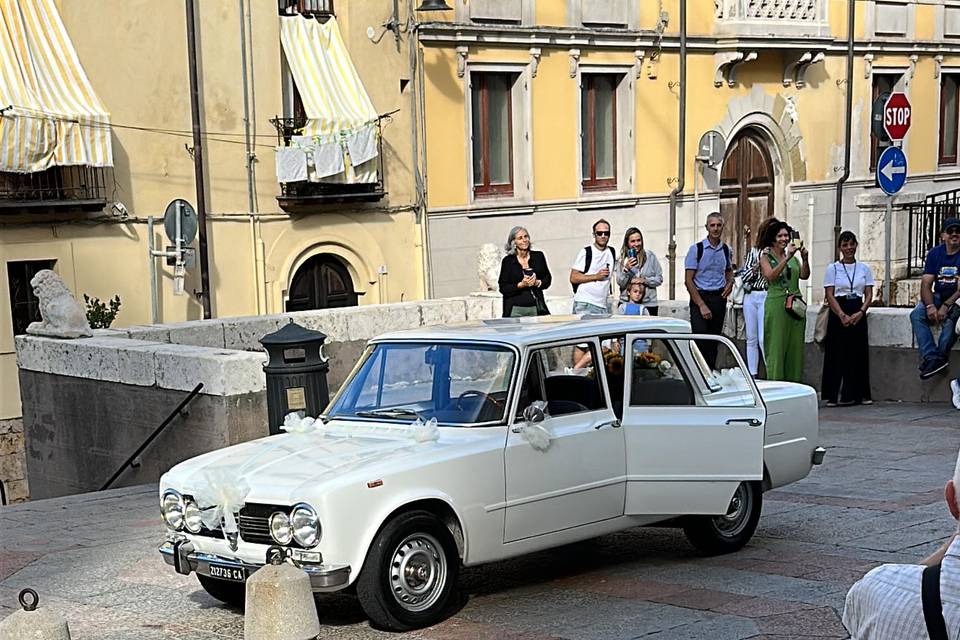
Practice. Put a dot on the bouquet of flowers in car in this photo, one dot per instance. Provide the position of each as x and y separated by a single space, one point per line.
651 362
613 361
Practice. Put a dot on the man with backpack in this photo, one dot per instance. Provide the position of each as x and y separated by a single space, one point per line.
709 280
590 274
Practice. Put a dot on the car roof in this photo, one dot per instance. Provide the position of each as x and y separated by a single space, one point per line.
535 330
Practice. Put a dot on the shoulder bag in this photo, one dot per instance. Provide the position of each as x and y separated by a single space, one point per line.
795 305
932 605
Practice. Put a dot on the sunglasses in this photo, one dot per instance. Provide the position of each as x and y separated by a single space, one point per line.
601 233
952 231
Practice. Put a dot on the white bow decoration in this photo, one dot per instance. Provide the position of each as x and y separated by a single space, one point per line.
293 423
425 432
220 498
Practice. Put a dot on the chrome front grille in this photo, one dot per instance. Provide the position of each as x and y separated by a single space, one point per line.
254 522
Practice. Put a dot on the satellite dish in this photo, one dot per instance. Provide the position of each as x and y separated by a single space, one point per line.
183 210
712 148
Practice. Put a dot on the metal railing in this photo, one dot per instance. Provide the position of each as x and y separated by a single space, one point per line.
309 8
924 222
179 411
55 187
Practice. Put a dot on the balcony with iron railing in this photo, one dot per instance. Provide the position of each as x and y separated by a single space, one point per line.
320 9
58 189
304 197
765 18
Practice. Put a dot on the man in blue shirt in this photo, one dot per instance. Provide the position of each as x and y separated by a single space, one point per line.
938 298
709 280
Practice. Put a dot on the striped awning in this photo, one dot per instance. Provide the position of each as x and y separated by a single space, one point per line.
332 93
50 113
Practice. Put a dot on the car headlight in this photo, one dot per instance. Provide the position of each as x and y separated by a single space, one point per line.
280 528
192 521
306 525
171 509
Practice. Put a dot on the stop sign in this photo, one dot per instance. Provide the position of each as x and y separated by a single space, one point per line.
896 116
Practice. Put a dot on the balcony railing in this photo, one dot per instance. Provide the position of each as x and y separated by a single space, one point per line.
56 189
321 9
306 196
924 224
760 18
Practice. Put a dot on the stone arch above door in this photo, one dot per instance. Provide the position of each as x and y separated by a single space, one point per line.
776 116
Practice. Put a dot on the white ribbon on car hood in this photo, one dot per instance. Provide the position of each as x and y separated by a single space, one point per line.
220 497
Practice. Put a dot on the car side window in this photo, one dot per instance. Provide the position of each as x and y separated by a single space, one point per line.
656 377
571 379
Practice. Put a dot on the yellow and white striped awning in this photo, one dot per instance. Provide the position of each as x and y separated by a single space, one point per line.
332 93
50 113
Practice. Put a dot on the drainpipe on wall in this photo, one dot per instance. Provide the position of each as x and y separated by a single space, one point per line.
681 155
848 133
205 294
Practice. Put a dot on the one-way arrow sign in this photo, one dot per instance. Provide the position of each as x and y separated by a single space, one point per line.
892 170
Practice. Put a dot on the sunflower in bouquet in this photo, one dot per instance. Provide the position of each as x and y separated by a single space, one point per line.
613 362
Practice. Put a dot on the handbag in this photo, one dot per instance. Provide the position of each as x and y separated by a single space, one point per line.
739 290
542 309
820 328
796 306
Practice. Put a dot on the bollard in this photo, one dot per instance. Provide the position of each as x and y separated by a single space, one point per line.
279 603
30 624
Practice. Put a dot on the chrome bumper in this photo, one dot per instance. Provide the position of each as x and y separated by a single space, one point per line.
818 453
183 557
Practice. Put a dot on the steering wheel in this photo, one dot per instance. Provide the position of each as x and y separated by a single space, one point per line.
480 394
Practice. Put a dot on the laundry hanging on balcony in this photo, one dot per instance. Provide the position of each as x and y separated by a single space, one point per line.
340 138
50 113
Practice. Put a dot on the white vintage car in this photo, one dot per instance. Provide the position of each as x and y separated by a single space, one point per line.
465 444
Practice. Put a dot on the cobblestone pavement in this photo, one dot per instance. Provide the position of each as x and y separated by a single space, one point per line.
878 498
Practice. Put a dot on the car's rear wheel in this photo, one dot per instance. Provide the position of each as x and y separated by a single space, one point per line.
231 593
409 578
716 535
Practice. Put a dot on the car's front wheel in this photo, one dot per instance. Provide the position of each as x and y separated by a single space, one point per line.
409 578
232 593
716 535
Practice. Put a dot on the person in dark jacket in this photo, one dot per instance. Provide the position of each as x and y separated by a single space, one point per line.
523 277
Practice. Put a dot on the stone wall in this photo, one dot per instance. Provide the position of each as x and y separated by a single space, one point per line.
13 470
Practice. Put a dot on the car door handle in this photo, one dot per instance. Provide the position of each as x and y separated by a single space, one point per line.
610 423
751 422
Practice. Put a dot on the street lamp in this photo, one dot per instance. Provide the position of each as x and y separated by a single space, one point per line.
433 5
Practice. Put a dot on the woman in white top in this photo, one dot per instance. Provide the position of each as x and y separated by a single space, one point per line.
848 290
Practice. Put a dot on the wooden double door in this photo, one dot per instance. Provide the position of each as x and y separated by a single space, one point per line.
747 186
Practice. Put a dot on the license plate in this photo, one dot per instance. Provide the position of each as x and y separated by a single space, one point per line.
234 574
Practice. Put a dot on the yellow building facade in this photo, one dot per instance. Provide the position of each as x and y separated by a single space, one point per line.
347 246
592 87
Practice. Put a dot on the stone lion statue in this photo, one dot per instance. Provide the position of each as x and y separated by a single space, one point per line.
488 267
63 317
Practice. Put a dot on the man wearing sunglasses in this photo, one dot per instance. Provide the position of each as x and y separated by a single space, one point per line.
938 301
709 280
590 274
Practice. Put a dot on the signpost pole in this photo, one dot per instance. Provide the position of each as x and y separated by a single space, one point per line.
154 303
887 230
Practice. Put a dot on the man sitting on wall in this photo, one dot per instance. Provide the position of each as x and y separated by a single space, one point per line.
938 301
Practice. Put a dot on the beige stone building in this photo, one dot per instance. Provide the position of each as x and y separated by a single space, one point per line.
307 243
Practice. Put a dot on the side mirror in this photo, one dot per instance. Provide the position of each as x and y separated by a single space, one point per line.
534 413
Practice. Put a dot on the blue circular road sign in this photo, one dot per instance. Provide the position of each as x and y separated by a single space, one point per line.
892 170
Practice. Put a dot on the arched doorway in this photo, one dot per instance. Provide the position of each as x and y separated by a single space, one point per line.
746 191
323 282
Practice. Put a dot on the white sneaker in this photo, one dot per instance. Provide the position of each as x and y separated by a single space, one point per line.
955 388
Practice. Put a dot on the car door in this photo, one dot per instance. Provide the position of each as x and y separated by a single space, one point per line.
692 435
578 477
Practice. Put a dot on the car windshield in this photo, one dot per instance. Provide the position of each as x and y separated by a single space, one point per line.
458 384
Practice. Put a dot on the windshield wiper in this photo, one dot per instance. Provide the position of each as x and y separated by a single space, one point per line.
388 413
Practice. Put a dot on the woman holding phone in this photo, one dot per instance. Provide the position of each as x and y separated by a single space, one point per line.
523 277
782 332
637 264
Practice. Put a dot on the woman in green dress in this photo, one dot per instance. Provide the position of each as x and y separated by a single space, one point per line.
782 333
